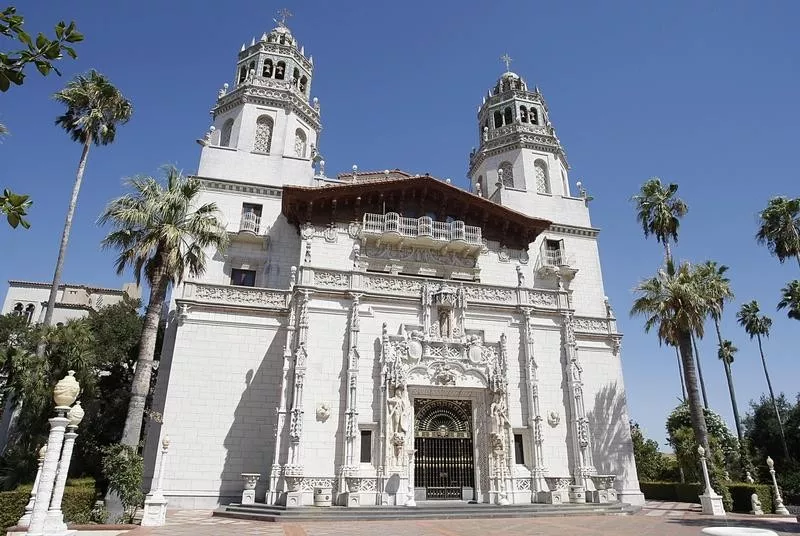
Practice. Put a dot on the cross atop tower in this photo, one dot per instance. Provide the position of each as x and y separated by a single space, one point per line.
505 58
283 14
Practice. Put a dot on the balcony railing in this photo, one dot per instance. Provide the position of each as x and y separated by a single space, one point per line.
250 223
423 228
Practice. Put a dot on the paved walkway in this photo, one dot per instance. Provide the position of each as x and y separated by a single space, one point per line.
656 519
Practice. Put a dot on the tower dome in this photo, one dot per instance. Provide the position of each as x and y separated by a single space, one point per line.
509 81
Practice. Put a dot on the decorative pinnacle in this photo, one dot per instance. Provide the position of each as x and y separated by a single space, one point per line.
505 58
283 14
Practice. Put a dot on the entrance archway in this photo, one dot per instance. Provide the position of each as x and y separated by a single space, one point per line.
444 461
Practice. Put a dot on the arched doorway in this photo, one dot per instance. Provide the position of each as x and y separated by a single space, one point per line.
444 461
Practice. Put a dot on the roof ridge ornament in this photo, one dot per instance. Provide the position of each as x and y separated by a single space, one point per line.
505 58
283 14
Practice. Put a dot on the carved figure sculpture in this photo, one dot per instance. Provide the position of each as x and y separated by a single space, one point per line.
398 410
755 503
499 414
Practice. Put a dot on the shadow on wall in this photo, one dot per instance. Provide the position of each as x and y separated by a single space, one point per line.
612 451
250 440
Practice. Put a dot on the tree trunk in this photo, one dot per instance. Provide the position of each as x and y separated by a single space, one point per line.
680 373
772 397
700 372
729 376
62 250
144 363
695 404
667 252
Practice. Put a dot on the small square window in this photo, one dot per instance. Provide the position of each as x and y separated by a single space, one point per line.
519 451
366 446
243 278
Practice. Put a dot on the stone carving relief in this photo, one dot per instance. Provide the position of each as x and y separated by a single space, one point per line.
592 325
418 255
331 233
307 231
553 418
354 229
325 278
242 295
542 299
323 411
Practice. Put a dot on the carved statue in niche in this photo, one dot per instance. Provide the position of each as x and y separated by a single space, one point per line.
499 415
398 410
445 323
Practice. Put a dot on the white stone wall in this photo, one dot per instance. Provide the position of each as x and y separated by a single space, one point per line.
38 293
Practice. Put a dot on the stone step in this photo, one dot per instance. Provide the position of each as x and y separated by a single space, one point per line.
269 513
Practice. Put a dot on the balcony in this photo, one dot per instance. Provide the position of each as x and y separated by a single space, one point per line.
250 223
391 228
555 261
250 230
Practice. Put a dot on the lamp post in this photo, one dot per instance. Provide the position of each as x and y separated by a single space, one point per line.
779 507
709 500
25 520
54 523
64 395
155 504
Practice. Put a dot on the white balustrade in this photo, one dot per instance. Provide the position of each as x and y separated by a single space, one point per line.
424 226
250 222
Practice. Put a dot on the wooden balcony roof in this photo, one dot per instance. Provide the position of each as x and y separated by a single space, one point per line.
414 196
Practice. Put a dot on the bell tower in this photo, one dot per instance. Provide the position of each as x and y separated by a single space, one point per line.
265 127
520 162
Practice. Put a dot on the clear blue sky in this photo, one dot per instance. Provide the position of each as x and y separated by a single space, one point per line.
699 93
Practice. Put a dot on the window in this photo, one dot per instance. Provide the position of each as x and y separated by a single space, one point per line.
29 313
263 139
508 174
523 114
564 183
366 446
519 451
553 251
534 116
18 309
242 74
498 119
243 278
542 180
508 116
479 187
303 84
251 217
280 70
266 71
300 143
295 77
225 137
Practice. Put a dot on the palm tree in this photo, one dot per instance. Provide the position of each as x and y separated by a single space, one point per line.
161 235
791 299
757 325
676 304
94 109
718 285
780 228
659 211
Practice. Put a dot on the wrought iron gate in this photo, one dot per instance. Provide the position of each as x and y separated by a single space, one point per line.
444 463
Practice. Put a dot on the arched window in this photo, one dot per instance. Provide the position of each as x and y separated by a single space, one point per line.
283 39
564 183
508 115
263 141
542 179
295 77
242 74
280 70
266 70
300 143
29 312
18 309
523 114
480 188
534 114
508 174
303 84
225 137
498 119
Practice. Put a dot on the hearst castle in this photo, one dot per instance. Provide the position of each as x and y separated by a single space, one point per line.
385 337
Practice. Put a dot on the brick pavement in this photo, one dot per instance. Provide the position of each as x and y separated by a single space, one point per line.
656 519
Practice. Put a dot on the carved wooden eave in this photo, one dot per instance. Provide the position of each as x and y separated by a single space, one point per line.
422 194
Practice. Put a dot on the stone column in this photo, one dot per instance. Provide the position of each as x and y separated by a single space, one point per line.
382 458
294 469
581 442
155 504
54 524
538 469
281 410
349 465
779 507
25 520
710 501
49 469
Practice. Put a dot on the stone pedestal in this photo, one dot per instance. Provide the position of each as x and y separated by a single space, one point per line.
294 499
155 504
712 504
601 496
577 494
559 490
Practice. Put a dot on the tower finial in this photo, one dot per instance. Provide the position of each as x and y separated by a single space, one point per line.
505 58
283 14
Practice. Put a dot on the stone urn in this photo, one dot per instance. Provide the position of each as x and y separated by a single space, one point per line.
75 414
293 474
66 390
250 480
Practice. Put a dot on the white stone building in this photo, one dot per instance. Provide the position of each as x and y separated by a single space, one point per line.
356 319
29 299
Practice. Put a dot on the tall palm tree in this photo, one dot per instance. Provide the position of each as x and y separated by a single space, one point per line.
676 304
718 285
779 228
756 325
659 210
94 109
791 299
162 233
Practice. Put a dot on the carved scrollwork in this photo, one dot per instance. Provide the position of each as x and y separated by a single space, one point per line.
591 325
238 295
330 279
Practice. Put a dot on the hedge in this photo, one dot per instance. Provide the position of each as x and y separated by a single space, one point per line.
79 499
690 492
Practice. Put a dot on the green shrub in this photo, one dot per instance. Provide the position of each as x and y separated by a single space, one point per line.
12 506
124 470
741 493
672 491
78 503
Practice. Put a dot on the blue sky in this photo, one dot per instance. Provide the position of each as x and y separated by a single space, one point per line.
699 93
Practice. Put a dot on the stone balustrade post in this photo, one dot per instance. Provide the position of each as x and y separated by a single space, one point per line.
779 507
25 520
44 492
155 504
